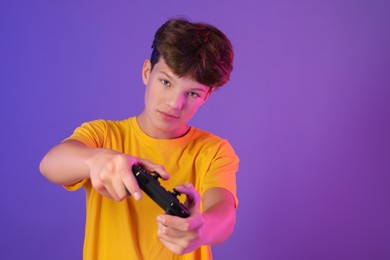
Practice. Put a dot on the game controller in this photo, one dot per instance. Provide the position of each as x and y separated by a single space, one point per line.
167 200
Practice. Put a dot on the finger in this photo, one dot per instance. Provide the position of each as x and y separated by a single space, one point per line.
119 188
193 196
177 245
127 183
172 222
101 186
167 231
180 224
173 247
106 194
110 193
130 184
152 167
169 238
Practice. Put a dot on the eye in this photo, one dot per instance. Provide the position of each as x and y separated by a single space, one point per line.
166 82
193 94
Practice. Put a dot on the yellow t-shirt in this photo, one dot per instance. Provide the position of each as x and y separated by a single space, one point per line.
128 229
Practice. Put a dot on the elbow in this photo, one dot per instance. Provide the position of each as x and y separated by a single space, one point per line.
43 168
47 171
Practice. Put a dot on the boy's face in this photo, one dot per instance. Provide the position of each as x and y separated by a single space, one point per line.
170 101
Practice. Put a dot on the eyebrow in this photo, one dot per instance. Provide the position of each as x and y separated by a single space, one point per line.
167 75
172 79
198 89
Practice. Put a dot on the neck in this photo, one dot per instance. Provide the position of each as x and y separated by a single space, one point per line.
153 130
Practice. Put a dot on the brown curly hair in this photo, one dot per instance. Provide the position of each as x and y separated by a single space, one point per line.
196 50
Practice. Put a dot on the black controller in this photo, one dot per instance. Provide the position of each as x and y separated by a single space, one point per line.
166 200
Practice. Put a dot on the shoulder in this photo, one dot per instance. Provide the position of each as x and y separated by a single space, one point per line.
103 125
210 141
95 133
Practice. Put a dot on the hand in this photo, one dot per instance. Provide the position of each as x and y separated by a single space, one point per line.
111 174
183 235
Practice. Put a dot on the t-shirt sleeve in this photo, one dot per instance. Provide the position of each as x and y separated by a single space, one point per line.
222 170
90 134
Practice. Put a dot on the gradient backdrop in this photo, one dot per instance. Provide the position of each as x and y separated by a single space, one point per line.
307 110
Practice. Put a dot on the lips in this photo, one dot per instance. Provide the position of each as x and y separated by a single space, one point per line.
169 116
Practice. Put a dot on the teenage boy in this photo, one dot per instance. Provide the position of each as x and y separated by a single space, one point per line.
188 62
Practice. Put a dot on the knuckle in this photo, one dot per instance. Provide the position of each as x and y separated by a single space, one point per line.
179 250
183 246
118 199
104 178
97 183
108 169
163 230
186 226
110 166
99 186
121 159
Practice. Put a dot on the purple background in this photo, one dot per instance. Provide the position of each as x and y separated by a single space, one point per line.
307 110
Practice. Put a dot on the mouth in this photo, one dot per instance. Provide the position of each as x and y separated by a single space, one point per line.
169 116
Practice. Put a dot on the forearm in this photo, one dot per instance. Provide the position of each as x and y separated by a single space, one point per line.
66 163
213 226
219 220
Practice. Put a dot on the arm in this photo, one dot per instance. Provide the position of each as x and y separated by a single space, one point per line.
219 214
109 171
215 225
66 164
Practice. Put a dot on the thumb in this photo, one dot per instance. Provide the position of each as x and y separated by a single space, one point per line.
193 196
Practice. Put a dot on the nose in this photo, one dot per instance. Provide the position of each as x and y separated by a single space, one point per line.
175 100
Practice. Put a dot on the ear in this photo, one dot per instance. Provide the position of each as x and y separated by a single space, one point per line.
146 71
